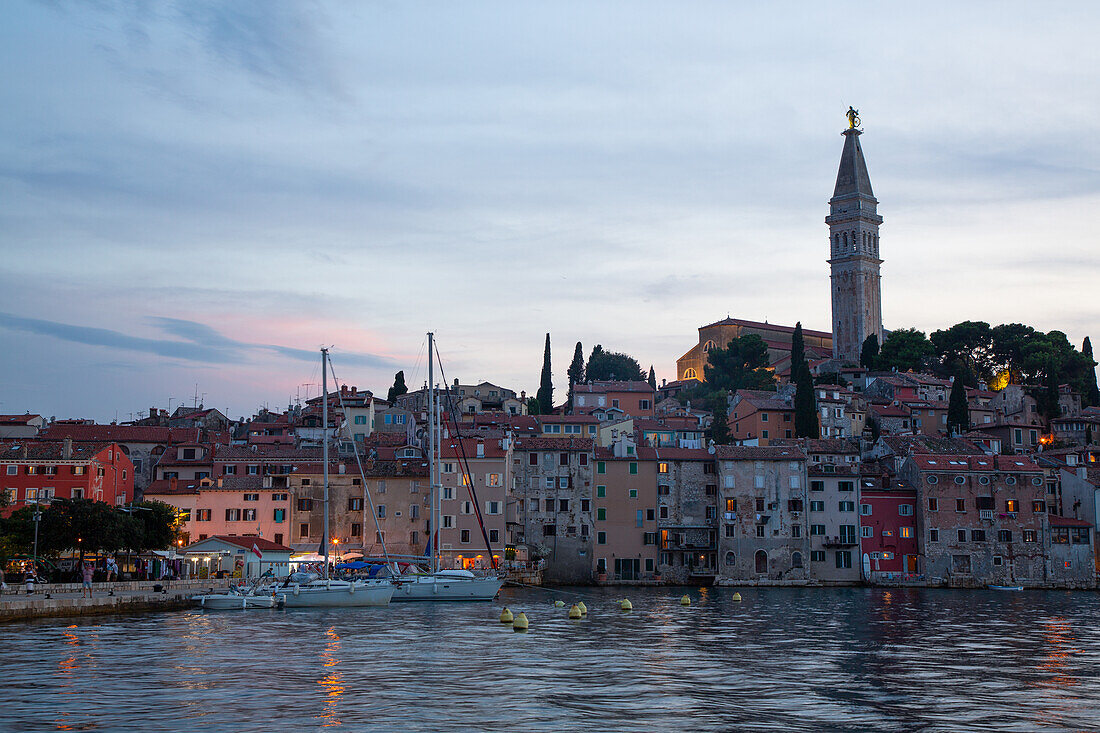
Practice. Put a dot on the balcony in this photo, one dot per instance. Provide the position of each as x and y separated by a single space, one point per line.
840 542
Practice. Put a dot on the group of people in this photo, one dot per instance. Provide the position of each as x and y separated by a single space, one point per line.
86 572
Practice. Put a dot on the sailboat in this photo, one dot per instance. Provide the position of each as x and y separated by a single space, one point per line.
309 590
437 584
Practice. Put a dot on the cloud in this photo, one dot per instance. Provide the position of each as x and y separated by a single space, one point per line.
197 342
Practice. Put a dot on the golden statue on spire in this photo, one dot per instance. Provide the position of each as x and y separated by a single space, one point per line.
853 117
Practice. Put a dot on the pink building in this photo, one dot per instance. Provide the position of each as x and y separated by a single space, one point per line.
229 506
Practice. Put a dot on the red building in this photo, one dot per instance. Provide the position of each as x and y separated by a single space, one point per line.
888 528
41 470
612 400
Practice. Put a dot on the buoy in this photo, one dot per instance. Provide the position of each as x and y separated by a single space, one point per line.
584 608
506 616
559 604
575 611
520 624
736 598
625 604
684 600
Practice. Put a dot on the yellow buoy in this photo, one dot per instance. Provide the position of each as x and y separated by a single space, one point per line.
685 601
506 616
520 624
625 604
575 611
559 604
584 608
736 597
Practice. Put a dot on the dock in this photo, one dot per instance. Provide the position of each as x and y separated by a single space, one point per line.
63 599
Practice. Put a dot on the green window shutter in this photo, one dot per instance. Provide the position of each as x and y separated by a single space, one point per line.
633 468
601 514
601 491
601 467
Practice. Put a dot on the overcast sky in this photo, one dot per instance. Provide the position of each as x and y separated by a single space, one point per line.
206 192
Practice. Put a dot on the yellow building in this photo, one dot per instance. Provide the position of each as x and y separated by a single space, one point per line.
819 344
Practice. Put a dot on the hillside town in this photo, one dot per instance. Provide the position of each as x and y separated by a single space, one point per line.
779 455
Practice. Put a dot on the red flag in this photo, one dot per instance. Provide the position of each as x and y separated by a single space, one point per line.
256 550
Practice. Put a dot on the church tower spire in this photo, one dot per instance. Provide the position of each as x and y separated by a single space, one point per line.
853 248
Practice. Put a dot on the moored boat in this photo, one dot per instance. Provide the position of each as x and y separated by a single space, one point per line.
446 585
1005 587
234 601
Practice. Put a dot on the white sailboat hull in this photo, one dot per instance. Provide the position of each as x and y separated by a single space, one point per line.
335 594
445 588
232 601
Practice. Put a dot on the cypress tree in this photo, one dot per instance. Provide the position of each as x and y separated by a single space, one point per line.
958 412
1092 396
798 351
545 394
398 387
576 372
869 353
719 426
652 378
805 406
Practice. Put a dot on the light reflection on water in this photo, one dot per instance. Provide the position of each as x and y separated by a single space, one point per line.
840 659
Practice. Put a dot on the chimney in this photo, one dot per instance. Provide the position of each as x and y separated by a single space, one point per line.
67 449
153 412
220 482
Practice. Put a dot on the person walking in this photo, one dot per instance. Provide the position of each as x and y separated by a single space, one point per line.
86 574
112 569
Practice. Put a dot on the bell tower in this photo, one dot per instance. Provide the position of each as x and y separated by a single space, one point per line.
853 250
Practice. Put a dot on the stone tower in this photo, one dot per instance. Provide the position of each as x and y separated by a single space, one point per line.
853 248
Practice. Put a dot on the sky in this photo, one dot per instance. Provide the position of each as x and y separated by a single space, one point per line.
195 196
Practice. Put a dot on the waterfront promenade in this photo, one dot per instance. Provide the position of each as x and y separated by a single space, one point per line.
64 599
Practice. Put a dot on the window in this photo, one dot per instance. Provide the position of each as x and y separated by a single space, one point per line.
583 458
960 505
933 504
448 521
846 485
1038 507
1012 505
232 515
817 530
563 505
796 530
563 482
229 470
847 506
632 493
906 532
817 485
381 511
933 535
844 559
664 512
796 559
662 490
549 482
905 510
601 492
817 556
662 468
280 515
633 468
586 505
601 538
962 535
760 530
251 497
1029 535
464 537
14 470
250 515
494 536
638 518
601 513
866 531
253 470
977 535
1004 535
303 530
493 507
203 515
865 510
533 459
355 504
414 511
817 506
278 537
601 467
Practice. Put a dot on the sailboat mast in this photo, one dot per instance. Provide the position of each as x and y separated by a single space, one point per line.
324 447
433 539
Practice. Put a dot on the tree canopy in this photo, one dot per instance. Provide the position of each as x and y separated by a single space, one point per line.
868 354
966 351
545 394
906 349
742 364
80 525
575 371
398 387
611 365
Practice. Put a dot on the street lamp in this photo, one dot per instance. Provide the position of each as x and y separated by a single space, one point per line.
37 519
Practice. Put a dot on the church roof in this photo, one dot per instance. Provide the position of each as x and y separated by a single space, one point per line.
852 177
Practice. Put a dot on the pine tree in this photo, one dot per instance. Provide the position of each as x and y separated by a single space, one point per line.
798 351
869 353
958 412
576 372
652 378
398 387
1092 394
545 394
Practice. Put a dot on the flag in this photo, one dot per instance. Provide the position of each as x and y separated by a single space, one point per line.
256 550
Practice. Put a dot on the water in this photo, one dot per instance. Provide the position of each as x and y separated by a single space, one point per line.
823 659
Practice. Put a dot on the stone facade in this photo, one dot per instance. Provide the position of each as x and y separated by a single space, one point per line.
854 254
763 495
687 514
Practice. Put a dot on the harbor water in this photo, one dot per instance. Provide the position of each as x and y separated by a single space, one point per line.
809 659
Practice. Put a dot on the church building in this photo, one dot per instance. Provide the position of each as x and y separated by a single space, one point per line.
853 251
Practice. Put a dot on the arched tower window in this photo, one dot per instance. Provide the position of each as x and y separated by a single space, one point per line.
709 345
761 559
690 373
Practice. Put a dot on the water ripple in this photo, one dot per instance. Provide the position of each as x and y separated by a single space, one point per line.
845 659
